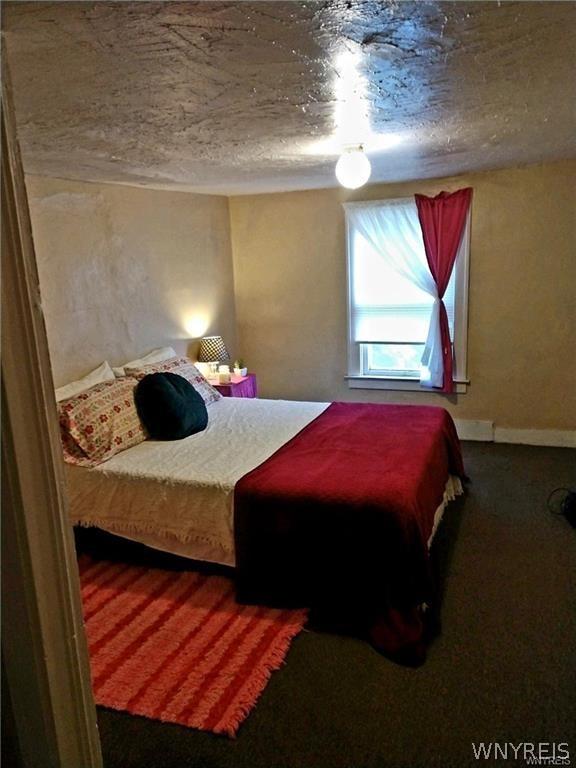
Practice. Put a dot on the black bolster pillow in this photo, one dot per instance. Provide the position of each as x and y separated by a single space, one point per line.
169 407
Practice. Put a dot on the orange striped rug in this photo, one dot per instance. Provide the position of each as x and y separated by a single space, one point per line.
175 646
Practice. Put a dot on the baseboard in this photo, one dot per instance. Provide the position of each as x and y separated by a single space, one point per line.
485 431
560 438
470 429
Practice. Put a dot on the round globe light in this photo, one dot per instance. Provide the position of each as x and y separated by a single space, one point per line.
353 168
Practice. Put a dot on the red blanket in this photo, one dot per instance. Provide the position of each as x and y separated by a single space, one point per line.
340 516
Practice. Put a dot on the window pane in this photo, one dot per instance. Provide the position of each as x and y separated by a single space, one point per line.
392 359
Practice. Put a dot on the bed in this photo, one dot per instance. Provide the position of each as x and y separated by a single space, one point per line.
312 503
178 496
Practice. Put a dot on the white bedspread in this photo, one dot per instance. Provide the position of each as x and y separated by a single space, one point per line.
178 495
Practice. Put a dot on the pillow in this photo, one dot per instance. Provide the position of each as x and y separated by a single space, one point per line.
169 406
98 375
183 367
156 356
100 422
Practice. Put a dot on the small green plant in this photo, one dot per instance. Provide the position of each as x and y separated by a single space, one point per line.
239 363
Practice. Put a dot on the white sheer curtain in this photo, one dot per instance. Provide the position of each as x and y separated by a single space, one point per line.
393 231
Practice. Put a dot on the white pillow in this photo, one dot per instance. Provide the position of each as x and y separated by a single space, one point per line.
156 356
97 376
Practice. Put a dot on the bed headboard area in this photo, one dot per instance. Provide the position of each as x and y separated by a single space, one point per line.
126 269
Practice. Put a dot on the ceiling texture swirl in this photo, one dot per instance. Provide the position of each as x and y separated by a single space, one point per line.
237 97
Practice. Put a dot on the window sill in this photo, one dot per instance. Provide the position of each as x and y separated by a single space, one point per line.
398 384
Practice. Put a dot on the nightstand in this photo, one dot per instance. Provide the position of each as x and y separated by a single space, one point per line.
239 386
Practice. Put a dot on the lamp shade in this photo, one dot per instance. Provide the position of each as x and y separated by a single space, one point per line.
212 350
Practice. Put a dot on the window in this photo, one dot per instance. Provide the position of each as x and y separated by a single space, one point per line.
389 314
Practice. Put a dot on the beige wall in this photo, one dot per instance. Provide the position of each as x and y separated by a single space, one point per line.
124 269
290 283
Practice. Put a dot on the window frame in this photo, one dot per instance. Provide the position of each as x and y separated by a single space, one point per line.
356 351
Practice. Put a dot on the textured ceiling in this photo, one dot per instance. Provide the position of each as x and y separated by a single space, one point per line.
235 97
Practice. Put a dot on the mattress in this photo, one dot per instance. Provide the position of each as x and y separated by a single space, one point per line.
178 496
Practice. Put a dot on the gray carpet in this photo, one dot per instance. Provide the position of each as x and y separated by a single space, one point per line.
503 669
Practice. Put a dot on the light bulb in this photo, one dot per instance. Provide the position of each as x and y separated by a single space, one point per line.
353 168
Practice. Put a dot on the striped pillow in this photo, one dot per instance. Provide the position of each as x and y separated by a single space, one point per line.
183 367
100 422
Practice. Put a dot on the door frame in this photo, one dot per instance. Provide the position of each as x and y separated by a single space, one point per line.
44 648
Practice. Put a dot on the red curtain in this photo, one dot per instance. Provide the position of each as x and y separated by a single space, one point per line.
442 219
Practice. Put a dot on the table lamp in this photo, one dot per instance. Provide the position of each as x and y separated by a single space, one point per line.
212 351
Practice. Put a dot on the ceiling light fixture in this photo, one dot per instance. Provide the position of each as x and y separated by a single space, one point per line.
353 167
